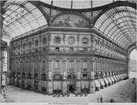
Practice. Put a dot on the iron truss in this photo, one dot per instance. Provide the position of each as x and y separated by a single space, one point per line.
116 20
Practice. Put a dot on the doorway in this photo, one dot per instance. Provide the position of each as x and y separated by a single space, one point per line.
71 88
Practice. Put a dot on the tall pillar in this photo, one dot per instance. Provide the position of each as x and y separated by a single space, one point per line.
50 83
64 83
92 86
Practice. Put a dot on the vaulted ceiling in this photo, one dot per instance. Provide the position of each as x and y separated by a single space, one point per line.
116 20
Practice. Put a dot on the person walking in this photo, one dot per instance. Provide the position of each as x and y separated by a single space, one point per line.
101 99
97 99
4 79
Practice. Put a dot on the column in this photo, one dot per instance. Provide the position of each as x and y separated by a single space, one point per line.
92 86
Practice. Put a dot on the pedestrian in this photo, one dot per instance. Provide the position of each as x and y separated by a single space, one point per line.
101 99
111 100
97 99
3 84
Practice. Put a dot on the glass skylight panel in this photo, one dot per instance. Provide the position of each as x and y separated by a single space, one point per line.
14 7
34 24
42 21
22 21
17 24
28 27
36 13
22 29
17 31
29 6
78 4
29 17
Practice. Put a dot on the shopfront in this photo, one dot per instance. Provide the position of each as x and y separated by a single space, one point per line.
57 83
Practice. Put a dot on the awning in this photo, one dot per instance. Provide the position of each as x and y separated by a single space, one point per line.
102 82
106 80
109 79
112 78
120 76
56 85
115 78
84 84
125 75
97 84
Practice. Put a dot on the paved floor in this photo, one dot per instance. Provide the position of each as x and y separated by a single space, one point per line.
123 91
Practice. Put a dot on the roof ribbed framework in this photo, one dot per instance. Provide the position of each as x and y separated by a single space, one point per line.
21 17
119 25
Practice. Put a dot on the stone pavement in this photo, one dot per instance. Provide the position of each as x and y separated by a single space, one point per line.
2 98
121 92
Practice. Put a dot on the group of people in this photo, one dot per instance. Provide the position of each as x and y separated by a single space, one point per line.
59 92
100 99
134 80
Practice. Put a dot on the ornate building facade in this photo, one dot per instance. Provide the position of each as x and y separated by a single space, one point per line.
68 56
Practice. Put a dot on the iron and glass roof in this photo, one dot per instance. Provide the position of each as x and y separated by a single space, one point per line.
21 17
118 23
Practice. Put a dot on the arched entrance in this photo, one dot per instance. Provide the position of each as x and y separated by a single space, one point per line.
23 80
14 78
71 83
36 81
57 83
44 83
18 79
132 72
29 81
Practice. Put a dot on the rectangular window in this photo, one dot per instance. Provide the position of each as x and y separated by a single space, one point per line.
57 65
85 65
57 49
43 65
71 49
85 49
71 64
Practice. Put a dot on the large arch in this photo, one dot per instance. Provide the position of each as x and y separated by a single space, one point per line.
117 22
131 48
21 17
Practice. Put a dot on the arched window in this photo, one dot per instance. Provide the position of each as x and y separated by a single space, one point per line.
85 40
71 76
29 76
35 75
96 75
43 77
57 40
71 40
24 45
23 75
18 75
85 76
36 42
30 44
44 40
